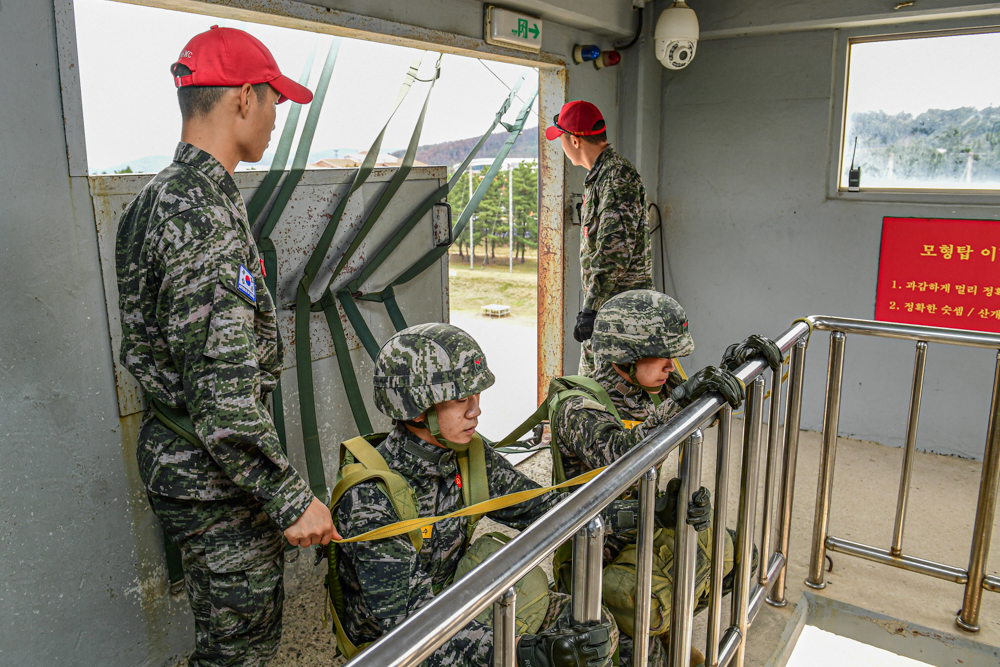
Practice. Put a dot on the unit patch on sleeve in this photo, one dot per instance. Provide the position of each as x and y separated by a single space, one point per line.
247 284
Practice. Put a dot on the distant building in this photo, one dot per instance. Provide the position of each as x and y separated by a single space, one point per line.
483 163
354 160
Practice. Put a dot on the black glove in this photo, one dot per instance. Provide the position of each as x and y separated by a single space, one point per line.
710 379
699 512
584 328
738 354
567 644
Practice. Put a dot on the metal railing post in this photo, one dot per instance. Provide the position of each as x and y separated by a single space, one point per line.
588 566
644 568
982 531
916 393
770 470
747 513
504 631
720 498
685 553
824 490
793 418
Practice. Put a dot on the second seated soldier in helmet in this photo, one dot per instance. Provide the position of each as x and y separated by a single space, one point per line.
428 379
637 337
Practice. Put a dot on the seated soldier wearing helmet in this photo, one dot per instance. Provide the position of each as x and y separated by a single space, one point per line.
637 336
428 379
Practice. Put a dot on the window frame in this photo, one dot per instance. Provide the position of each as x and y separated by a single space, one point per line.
845 38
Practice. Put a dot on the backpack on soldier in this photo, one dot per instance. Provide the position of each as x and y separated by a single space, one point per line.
361 462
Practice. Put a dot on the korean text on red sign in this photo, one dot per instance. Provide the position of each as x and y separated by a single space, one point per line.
941 273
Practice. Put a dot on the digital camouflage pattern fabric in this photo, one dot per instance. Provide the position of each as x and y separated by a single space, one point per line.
199 334
635 324
384 581
428 364
233 572
614 248
640 323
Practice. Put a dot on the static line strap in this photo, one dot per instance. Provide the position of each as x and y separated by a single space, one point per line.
263 193
305 142
430 258
358 322
303 308
383 253
270 256
405 165
485 507
351 387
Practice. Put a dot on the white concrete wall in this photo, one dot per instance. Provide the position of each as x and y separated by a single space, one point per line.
755 239
71 551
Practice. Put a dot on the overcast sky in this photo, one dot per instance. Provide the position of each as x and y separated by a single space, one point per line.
130 103
914 75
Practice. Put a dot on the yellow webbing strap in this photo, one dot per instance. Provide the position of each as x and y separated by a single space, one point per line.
680 369
492 505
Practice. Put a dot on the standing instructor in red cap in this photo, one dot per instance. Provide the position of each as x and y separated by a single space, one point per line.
199 334
614 251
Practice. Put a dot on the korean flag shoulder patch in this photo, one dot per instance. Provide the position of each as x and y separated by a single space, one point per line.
247 284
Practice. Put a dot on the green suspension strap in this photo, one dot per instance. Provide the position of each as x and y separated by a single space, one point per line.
263 193
433 256
304 305
328 304
387 296
265 245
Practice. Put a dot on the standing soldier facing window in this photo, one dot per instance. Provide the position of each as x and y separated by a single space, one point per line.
614 250
199 334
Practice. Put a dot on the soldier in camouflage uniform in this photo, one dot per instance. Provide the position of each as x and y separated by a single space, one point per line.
637 335
614 248
199 334
428 379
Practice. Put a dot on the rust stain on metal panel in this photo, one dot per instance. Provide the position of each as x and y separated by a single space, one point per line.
552 92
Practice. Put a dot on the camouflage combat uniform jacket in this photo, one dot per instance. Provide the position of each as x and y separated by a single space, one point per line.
198 335
590 438
614 249
384 581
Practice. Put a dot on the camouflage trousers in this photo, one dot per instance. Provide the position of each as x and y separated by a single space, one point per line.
586 366
233 572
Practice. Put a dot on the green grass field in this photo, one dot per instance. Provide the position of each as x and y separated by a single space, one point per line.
493 283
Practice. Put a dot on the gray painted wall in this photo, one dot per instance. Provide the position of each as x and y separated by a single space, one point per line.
70 561
754 240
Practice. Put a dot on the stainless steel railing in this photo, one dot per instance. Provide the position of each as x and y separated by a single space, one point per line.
974 578
577 517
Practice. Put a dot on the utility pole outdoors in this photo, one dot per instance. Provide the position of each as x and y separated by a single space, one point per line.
472 247
510 213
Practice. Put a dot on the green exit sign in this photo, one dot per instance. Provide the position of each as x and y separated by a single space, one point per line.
504 27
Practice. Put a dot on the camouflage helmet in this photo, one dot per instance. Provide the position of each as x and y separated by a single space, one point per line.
640 323
428 364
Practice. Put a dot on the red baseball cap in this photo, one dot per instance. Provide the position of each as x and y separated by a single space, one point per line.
578 118
231 57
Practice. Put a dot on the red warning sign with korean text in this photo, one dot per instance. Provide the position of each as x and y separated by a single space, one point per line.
940 273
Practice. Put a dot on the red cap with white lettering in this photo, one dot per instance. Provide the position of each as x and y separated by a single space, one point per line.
231 57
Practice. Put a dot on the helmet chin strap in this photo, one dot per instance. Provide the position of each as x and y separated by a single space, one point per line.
655 393
431 419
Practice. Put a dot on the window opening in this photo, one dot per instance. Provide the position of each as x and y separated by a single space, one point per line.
925 113
132 125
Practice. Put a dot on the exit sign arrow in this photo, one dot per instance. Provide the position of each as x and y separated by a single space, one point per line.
534 30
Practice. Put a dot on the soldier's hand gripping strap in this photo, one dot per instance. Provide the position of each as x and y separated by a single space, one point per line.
567 644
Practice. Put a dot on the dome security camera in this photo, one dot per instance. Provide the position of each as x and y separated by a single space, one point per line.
676 36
